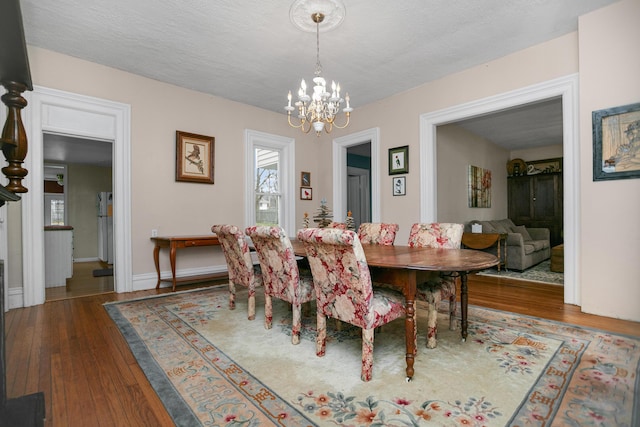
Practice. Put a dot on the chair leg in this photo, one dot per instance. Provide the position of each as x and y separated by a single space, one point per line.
296 325
321 337
432 318
268 311
367 354
452 313
252 305
232 296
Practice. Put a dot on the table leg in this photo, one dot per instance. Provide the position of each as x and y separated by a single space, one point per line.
404 280
464 303
156 260
172 260
499 259
410 336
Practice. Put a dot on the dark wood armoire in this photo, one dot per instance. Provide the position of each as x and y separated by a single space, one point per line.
536 201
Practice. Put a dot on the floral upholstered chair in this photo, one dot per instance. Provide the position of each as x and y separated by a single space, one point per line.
344 290
242 270
280 275
437 235
377 233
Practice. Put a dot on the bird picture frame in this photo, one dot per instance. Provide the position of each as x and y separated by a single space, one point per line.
195 156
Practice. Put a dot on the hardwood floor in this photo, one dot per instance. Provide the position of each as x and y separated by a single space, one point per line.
72 351
82 283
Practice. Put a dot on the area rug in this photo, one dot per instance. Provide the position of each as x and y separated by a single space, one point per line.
211 366
538 273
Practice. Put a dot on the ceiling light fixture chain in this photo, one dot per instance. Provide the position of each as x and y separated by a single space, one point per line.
319 110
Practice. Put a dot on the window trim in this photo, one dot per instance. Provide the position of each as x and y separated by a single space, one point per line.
255 139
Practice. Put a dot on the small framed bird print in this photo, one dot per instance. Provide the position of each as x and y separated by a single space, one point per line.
194 157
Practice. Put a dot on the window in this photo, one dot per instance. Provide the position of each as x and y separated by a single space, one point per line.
267 187
54 209
270 180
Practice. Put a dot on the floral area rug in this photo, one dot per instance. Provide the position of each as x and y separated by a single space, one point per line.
211 366
538 273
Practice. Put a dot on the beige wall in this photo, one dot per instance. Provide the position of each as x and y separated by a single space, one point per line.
539 153
457 149
607 37
83 184
398 117
157 111
610 250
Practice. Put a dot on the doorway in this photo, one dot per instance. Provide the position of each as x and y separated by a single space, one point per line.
370 137
564 87
78 171
63 113
359 183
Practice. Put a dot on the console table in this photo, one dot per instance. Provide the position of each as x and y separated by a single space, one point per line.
179 242
485 241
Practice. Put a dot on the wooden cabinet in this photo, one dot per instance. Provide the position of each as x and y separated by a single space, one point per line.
536 201
58 255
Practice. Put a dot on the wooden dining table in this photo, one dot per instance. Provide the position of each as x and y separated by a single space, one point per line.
403 267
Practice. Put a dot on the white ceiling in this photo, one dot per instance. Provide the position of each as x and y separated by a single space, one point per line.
250 52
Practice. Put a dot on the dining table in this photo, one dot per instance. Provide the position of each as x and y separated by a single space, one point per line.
404 267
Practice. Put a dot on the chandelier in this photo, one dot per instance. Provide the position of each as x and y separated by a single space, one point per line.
319 109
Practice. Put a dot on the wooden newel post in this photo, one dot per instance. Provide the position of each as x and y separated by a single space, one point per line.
14 138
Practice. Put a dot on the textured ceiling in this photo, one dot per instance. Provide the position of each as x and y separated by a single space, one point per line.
249 51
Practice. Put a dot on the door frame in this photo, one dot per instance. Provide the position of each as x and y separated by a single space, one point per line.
340 146
67 113
565 87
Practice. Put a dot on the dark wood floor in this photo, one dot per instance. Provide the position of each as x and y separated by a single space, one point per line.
71 350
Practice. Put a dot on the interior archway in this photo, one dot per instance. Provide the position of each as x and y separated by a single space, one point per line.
567 89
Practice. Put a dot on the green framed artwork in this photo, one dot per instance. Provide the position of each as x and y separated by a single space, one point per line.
399 160
616 143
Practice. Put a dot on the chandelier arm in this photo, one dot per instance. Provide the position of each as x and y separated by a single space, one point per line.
300 126
344 125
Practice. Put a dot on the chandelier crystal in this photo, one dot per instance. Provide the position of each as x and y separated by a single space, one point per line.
319 109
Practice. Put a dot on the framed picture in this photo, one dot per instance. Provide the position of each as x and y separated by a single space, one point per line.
305 179
544 166
399 160
616 143
399 186
306 193
479 187
194 157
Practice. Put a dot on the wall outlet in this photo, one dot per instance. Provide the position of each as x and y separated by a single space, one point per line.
154 233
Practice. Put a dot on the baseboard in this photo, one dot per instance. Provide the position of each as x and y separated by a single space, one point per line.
146 281
16 298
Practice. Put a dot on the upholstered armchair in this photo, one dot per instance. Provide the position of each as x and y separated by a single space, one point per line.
377 233
242 270
344 290
445 236
280 275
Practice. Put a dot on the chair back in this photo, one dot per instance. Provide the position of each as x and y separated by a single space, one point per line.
444 235
236 253
340 274
338 225
377 233
280 272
